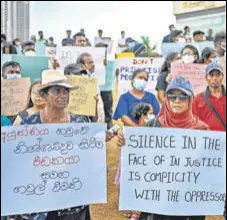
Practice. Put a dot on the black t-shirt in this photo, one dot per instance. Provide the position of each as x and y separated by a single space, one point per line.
162 84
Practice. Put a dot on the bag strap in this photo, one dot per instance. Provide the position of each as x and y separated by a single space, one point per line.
214 110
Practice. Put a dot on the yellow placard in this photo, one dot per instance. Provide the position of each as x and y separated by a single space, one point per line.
14 95
82 97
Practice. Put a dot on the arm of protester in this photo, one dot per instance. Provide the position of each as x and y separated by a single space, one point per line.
169 78
121 140
17 121
117 72
128 121
95 118
105 62
109 136
122 111
161 96
55 64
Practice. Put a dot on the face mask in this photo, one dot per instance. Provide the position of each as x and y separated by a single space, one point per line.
30 53
13 76
17 43
140 84
131 45
215 60
188 58
180 40
150 118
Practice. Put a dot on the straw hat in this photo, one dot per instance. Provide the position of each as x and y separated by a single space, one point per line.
53 77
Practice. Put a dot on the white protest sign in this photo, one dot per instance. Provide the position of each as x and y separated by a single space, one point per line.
173 171
128 65
69 55
52 167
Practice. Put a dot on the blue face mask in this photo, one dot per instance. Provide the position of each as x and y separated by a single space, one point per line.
140 84
13 76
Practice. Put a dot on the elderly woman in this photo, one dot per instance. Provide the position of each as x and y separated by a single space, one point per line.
176 113
36 103
55 90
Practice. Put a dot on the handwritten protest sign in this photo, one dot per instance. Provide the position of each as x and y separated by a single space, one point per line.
51 54
167 48
173 171
82 101
128 65
32 66
14 95
52 166
195 73
69 55
223 64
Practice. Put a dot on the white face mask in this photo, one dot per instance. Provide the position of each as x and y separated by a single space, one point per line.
13 76
215 60
180 40
30 53
188 58
140 84
150 117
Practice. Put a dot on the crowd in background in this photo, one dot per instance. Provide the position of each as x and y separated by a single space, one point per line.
174 106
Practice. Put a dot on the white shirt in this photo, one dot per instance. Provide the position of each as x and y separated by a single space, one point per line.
121 41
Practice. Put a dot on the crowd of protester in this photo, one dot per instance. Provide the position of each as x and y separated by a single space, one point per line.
174 106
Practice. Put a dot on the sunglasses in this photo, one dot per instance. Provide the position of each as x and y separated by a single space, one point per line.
173 97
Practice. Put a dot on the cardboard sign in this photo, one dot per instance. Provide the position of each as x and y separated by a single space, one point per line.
82 101
48 167
195 73
173 171
14 96
127 66
69 55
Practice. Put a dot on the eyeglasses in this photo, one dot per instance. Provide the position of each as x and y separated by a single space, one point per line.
57 91
13 72
173 97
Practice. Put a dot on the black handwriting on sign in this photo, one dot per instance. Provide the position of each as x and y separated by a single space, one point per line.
76 185
31 189
23 148
54 175
91 144
56 161
70 132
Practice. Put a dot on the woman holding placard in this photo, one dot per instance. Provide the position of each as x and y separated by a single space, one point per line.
55 89
176 113
36 103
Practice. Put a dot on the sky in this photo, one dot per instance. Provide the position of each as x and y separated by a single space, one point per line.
139 18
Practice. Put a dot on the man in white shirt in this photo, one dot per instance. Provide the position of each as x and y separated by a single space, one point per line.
122 43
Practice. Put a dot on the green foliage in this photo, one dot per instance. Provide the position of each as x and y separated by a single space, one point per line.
150 49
